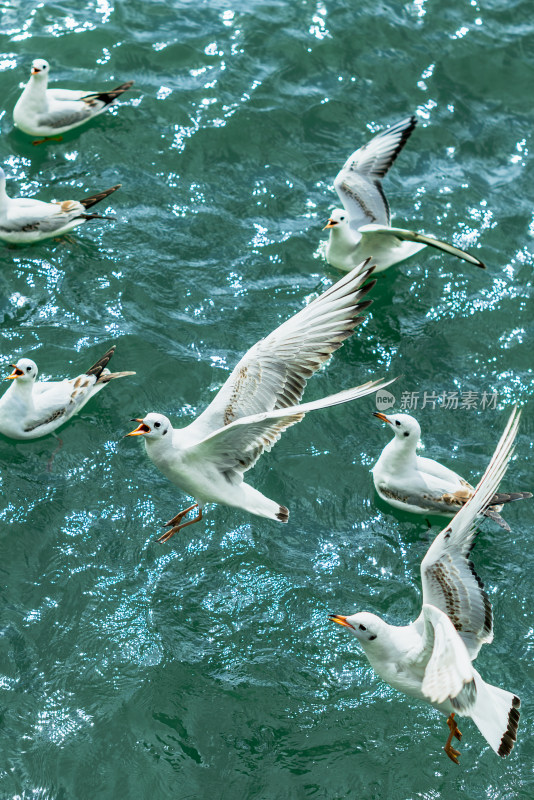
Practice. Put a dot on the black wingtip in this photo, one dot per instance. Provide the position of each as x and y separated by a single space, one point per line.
510 735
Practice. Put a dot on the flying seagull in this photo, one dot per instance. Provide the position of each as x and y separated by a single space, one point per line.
48 112
431 658
208 458
362 228
421 485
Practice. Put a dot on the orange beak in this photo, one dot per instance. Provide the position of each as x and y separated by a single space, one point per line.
15 374
35 70
330 224
382 417
340 620
140 430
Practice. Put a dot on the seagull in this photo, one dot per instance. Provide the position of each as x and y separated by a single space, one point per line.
47 112
431 658
208 458
362 228
25 219
422 485
30 409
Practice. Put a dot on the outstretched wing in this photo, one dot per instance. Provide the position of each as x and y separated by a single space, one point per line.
235 448
274 372
420 238
448 673
358 182
448 576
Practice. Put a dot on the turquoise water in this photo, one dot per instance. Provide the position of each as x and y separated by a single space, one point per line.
207 668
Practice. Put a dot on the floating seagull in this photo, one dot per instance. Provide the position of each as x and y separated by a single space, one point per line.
25 219
362 228
30 409
422 485
431 658
48 112
207 459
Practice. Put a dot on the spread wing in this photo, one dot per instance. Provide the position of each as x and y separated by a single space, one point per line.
371 232
274 372
448 673
358 182
448 576
236 447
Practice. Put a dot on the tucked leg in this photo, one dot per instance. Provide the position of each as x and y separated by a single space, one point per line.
180 515
454 731
167 535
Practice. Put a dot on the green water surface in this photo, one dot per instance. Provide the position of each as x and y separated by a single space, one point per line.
207 668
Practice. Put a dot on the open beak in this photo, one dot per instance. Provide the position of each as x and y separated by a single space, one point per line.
35 70
330 224
15 374
382 417
140 430
340 620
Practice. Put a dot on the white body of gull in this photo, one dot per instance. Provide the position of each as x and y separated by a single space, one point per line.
32 408
362 228
421 485
209 457
24 219
431 659
44 112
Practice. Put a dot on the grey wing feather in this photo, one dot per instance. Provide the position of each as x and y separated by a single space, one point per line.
274 372
448 576
448 673
358 182
63 117
236 447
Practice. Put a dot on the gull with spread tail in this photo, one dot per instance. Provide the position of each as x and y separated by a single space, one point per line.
208 458
32 408
24 220
362 228
44 112
431 659
421 485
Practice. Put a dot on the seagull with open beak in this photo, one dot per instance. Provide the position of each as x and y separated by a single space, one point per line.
259 401
431 658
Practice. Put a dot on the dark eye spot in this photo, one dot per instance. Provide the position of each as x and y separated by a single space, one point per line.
362 627
372 637
157 424
397 422
28 369
406 433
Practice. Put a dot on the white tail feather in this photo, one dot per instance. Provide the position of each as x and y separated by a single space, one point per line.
496 715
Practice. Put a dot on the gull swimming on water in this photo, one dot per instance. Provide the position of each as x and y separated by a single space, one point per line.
32 408
25 219
208 458
430 659
362 228
421 485
40 111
